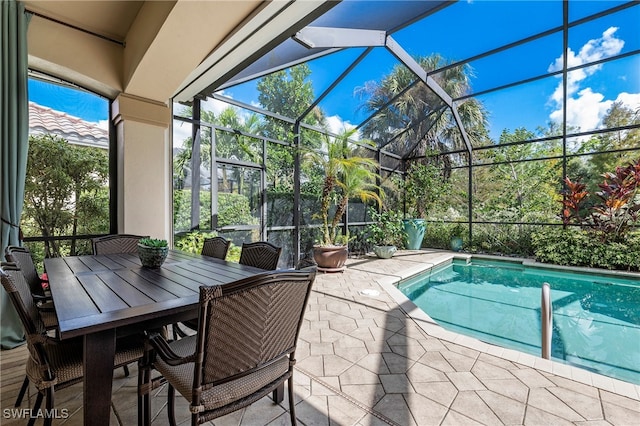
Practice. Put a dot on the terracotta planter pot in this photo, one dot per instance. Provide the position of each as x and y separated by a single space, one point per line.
331 259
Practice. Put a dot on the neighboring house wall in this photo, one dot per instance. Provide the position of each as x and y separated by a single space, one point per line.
43 120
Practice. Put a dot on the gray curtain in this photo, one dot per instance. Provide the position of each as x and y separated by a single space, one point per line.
14 142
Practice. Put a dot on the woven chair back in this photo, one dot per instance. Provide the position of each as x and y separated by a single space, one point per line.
19 292
260 254
114 244
249 324
21 256
215 247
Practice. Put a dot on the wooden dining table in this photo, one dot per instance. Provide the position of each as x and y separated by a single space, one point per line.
101 297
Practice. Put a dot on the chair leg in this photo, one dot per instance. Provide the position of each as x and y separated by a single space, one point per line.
292 406
125 369
23 390
144 399
278 393
48 420
36 407
171 407
178 332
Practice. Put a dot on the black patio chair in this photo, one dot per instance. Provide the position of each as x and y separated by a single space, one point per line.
215 247
260 254
117 243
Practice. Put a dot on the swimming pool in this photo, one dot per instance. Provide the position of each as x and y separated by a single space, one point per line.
596 318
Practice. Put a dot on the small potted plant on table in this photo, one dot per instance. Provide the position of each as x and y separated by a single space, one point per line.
386 233
152 252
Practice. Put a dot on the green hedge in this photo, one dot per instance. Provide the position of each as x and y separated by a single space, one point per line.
579 247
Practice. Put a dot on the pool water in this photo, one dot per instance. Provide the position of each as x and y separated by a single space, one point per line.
596 318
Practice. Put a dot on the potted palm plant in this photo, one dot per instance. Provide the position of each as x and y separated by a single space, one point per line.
346 175
152 252
385 233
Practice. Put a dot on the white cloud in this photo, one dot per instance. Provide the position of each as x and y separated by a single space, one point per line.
584 111
337 125
215 106
586 108
103 124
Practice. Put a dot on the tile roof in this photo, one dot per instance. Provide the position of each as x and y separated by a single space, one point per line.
43 120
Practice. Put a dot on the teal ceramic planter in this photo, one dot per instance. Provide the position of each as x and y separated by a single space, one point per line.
414 230
456 243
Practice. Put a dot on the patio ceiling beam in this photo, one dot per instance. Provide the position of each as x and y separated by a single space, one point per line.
327 37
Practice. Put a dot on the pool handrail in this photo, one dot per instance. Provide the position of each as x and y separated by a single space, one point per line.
546 312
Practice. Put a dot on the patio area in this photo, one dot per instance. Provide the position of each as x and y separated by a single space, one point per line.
366 359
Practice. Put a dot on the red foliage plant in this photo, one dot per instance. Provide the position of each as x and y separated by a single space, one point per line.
572 199
618 211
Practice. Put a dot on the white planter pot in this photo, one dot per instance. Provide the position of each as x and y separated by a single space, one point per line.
384 252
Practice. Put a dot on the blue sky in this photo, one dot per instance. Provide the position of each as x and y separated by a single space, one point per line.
74 102
460 31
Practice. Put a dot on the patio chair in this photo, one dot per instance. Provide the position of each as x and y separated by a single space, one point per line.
260 254
21 256
116 243
215 247
244 348
307 264
52 364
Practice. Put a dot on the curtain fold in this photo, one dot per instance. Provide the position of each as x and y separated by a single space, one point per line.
14 143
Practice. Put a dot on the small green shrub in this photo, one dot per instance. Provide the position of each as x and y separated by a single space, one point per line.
436 235
233 255
193 241
234 209
153 242
504 239
386 230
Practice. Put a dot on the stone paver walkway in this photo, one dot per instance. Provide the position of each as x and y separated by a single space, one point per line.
368 357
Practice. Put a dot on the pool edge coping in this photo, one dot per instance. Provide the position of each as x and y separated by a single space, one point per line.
429 326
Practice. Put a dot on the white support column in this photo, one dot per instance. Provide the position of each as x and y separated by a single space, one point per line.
144 173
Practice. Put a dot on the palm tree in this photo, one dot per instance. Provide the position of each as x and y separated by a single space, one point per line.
345 176
415 119
357 182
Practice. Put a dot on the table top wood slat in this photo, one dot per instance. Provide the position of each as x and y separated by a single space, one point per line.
148 288
209 266
177 289
75 263
72 300
198 275
113 262
104 298
128 292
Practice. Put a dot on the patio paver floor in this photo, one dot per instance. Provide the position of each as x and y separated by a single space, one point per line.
363 361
